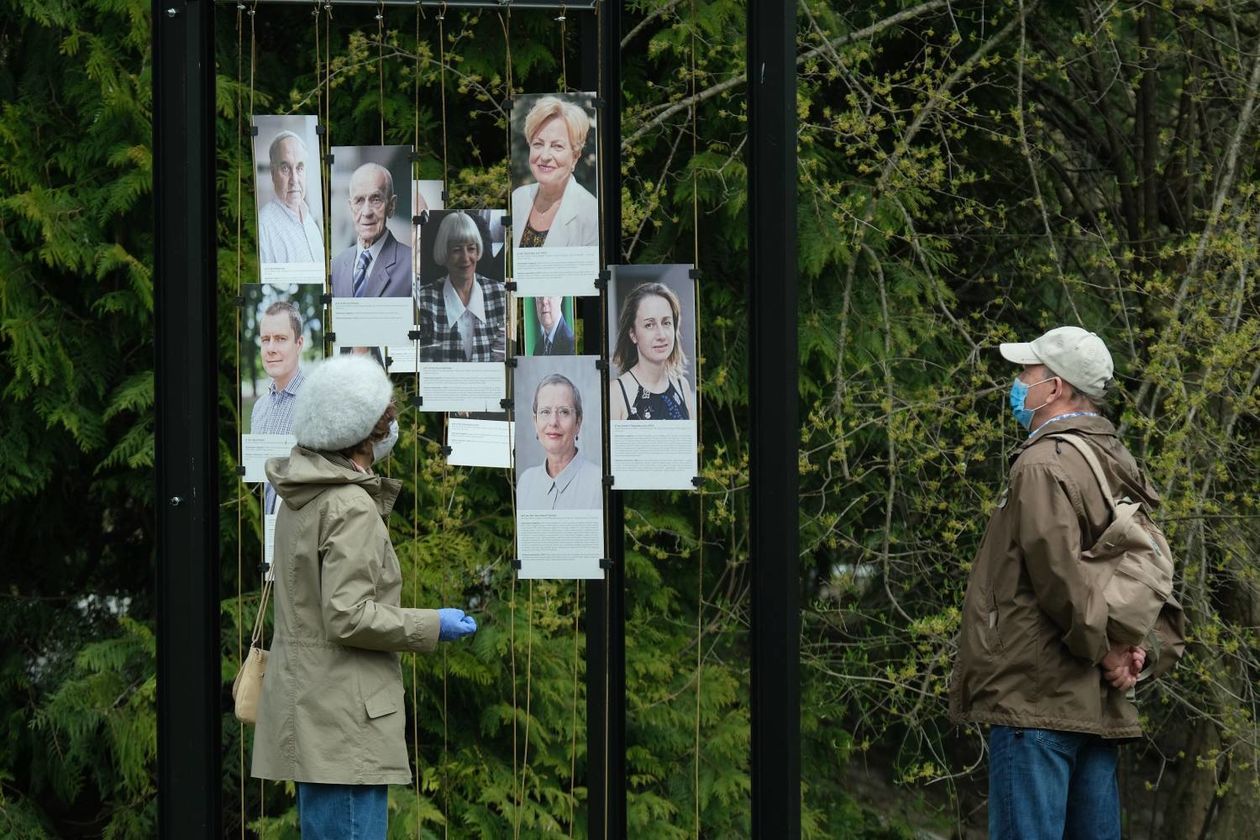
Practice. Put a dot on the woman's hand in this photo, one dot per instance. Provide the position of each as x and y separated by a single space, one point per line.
455 624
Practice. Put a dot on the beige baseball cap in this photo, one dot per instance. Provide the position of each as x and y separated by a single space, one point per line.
1077 355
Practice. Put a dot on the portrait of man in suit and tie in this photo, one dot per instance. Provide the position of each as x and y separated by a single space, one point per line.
377 263
551 332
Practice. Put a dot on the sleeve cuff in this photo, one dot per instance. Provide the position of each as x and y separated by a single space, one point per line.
422 629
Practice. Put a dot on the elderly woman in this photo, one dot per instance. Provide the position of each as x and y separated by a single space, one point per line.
463 318
566 480
331 715
652 385
555 211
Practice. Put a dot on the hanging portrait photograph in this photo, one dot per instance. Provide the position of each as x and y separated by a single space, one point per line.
371 271
652 377
289 199
282 332
462 314
426 196
559 466
380 355
555 198
461 299
547 323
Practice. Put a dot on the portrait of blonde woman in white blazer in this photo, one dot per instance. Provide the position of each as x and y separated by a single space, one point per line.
555 211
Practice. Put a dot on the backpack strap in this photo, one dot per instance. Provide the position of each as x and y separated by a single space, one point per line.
1087 452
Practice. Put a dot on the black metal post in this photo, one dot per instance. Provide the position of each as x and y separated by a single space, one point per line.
605 602
772 317
189 690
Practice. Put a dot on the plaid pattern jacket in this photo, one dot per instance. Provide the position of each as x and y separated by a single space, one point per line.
439 342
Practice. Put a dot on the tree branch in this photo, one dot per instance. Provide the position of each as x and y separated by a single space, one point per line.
839 41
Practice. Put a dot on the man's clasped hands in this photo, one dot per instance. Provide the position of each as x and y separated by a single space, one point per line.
1122 665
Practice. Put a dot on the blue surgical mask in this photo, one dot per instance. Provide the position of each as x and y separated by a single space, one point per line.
382 447
1019 393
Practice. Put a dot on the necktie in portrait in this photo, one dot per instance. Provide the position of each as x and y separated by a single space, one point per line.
361 273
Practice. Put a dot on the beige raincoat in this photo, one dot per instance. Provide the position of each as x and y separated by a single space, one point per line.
332 701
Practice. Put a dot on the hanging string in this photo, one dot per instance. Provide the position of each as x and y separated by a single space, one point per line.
529 670
240 560
380 63
577 612
253 64
253 55
516 796
415 470
415 96
564 40
415 594
518 781
603 320
442 91
695 257
325 158
516 791
506 23
446 739
507 43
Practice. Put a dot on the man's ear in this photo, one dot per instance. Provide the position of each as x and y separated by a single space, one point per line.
392 206
300 341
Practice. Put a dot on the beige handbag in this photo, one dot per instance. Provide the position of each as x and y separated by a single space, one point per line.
247 687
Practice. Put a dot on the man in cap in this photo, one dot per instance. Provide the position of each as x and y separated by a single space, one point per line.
1034 659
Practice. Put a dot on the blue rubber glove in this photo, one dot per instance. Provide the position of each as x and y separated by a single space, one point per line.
455 624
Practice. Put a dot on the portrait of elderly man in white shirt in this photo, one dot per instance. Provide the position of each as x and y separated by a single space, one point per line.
287 231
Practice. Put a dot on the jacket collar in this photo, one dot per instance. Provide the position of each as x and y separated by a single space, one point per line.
306 473
384 491
1097 426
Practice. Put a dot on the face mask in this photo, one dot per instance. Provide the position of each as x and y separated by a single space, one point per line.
1019 392
382 447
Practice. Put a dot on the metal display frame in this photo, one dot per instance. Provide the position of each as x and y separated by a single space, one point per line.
774 439
190 693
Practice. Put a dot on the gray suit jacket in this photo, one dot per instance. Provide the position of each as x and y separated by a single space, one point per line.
388 276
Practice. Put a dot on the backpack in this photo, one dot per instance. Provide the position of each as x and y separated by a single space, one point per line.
1132 565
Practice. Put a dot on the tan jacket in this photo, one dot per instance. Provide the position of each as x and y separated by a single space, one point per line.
332 702
1033 630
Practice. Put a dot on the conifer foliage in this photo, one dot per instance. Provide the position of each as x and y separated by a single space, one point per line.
970 172
76 302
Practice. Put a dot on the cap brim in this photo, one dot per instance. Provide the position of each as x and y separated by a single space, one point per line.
1021 353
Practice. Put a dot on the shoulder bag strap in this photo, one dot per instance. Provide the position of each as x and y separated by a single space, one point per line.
1087 452
255 638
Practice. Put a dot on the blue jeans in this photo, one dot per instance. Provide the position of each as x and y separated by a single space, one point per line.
1051 785
342 812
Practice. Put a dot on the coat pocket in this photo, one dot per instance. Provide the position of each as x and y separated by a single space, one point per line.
380 689
991 629
380 704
